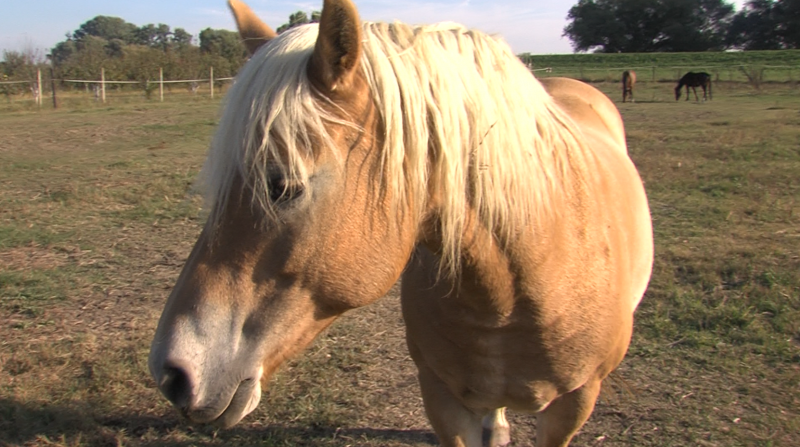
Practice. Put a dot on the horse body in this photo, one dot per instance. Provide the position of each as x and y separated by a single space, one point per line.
694 80
504 333
346 158
628 81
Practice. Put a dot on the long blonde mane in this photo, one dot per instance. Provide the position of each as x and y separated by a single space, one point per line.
465 123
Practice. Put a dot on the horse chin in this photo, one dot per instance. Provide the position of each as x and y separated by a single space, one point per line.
244 400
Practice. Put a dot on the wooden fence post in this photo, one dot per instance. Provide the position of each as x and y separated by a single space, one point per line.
39 87
161 83
53 87
211 81
103 85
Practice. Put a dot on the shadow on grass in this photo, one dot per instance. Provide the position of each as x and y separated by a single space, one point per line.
78 424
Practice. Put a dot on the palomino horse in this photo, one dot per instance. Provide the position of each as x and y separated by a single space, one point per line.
350 154
628 81
694 80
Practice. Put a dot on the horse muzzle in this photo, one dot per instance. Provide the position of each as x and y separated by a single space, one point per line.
204 401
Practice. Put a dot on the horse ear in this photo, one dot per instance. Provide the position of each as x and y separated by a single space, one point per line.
252 30
338 48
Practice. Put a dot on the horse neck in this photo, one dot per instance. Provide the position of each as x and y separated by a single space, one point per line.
483 278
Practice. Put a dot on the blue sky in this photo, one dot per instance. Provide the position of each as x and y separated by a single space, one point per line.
533 26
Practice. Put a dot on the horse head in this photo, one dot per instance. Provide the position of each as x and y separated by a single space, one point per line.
292 240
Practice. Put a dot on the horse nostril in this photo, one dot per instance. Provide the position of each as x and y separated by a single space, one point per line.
177 386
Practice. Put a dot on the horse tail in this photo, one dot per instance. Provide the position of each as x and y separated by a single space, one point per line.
626 75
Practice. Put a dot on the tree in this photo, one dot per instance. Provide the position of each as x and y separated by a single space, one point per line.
613 26
107 28
62 51
223 43
299 18
766 25
754 27
163 37
145 35
789 12
181 38
18 65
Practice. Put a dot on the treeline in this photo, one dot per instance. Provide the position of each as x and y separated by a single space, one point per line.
646 26
766 25
130 53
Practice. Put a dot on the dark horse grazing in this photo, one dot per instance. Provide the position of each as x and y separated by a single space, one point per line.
694 80
628 81
351 153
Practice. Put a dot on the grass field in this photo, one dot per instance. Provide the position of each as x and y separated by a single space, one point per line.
97 215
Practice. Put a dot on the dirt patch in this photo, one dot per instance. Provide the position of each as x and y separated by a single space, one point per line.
32 258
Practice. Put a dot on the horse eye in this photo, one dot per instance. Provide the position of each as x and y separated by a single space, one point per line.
280 191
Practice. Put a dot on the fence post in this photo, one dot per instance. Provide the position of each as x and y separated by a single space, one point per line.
39 87
161 83
211 80
654 73
103 84
53 87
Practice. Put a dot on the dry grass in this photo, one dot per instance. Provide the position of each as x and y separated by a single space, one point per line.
97 217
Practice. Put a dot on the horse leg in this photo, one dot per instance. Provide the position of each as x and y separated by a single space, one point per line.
696 98
496 429
559 422
455 425
688 94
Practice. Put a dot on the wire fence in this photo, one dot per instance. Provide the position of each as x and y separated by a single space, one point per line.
752 74
98 87
747 73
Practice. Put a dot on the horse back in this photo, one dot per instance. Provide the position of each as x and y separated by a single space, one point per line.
628 78
695 79
589 108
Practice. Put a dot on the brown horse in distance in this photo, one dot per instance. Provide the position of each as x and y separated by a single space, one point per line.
694 80
628 81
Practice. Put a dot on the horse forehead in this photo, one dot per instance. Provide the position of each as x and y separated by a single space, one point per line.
354 113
